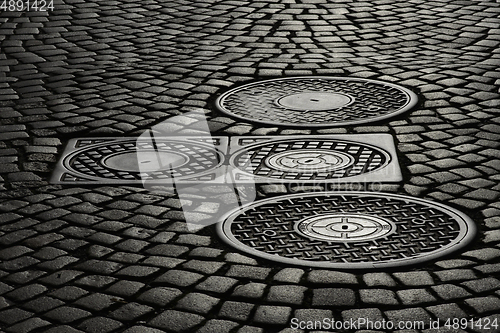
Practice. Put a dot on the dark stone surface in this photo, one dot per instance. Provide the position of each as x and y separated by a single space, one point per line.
120 258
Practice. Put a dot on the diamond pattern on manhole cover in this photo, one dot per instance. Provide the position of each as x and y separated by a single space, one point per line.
321 158
133 161
316 101
347 230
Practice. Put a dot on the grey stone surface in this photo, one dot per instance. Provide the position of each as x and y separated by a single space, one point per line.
272 315
339 297
175 320
239 311
119 258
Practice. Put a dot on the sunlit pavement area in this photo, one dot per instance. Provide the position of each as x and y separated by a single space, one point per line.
116 258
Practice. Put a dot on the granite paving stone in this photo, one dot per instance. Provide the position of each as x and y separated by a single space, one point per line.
176 321
66 314
197 302
291 275
217 325
484 304
408 315
415 296
337 297
378 279
250 290
12 316
29 325
415 278
272 315
445 312
130 312
96 301
286 294
331 277
99 324
141 328
250 272
378 296
239 311
217 284
159 296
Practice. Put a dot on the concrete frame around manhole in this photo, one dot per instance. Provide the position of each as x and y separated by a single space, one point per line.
282 231
338 158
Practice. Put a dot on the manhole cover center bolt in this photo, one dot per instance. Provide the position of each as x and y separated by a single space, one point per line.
345 228
315 101
309 160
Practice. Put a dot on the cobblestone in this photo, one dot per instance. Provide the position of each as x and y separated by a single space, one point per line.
339 297
378 296
159 296
272 315
216 325
66 314
484 304
239 311
415 296
175 320
286 294
329 277
217 284
250 290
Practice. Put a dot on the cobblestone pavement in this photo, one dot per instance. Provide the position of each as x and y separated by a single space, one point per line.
120 259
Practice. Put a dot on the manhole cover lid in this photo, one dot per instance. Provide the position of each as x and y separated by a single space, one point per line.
316 101
347 230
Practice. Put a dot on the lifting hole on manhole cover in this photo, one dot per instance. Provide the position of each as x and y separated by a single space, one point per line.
347 230
315 101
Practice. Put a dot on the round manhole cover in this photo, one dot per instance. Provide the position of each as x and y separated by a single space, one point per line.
310 159
347 230
143 159
316 101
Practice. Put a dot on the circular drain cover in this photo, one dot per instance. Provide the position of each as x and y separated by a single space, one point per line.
311 159
316 101
347 230
142 159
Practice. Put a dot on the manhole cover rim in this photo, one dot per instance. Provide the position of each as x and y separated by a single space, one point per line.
412 100
468 232
67 158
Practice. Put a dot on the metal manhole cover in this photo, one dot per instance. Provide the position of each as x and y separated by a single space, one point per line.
347 230
322 158
316 101
131 160
243 159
